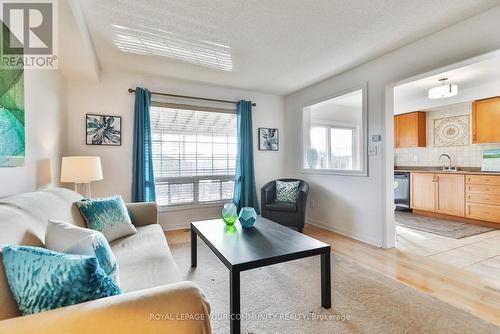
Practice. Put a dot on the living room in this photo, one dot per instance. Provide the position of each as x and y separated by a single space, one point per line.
186 116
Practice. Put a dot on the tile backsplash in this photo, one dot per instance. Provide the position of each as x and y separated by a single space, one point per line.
462 156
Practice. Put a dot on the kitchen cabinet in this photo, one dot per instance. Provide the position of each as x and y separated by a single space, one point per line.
410 130
422 191
483 197
485 120
439 193
450 194
469 198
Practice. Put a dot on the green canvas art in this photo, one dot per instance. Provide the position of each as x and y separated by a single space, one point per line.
12 136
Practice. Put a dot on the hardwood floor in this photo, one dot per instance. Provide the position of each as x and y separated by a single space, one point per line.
464 289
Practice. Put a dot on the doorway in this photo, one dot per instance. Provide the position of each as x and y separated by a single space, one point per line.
431 146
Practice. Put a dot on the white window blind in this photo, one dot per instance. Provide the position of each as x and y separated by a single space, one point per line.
194 154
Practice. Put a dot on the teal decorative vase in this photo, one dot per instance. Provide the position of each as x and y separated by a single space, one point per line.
247 217
312 157
229 214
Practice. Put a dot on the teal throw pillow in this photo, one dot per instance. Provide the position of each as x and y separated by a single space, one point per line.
287 191
108 216
42 280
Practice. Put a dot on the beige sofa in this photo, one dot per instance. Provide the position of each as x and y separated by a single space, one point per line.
155 300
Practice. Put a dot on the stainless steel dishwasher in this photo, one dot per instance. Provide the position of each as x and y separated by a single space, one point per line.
402 191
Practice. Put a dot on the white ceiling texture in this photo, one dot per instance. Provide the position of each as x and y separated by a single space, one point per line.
276 46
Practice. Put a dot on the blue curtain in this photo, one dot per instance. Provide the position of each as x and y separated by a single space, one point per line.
245 194
143 181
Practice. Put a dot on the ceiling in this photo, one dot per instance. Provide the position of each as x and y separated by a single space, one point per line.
475 81
275 46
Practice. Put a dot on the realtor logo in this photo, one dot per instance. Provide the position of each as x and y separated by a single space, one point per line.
29 34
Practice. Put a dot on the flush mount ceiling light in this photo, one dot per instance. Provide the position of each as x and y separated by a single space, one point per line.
443 91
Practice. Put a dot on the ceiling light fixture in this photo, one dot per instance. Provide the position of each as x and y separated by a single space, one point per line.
443 91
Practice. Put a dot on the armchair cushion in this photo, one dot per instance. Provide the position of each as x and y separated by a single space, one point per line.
282 206
287 191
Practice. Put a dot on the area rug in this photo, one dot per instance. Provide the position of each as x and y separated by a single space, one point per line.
285 298
446 228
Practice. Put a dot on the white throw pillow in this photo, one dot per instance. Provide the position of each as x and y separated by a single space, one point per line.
67 238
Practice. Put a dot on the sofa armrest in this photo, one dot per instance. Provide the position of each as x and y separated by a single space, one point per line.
173 308
144 213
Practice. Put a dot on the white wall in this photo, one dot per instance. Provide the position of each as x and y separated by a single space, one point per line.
45 109
110 96
356 206
469 155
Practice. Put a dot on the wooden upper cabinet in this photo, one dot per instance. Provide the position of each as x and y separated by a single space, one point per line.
450 194
409 130
486 121
423 191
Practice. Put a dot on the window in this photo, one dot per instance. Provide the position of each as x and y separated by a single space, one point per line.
334 134
336 146
194 154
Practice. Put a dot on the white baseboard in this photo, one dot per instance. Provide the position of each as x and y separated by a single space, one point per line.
345 232
178 226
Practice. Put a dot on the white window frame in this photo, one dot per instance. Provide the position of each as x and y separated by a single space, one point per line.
330 126
195 180
362 133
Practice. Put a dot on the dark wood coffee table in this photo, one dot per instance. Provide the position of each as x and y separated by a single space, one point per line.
262 245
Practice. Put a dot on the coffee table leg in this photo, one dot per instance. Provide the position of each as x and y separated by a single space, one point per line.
326 285
194 251
234 286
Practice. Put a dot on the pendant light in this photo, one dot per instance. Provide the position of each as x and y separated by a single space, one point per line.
443 91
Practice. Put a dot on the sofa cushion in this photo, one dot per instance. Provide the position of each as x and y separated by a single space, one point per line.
145 260
42 280
23 220
282 206
107 215
66 238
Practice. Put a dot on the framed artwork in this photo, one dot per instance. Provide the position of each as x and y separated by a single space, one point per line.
12 125
103 130
451 131
268 139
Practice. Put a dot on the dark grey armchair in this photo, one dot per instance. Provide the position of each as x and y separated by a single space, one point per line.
288 214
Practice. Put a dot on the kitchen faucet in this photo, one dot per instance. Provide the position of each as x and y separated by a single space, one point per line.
449 168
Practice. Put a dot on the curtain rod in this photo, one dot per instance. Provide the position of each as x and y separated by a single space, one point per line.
130 90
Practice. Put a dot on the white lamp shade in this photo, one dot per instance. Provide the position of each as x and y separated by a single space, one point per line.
81 169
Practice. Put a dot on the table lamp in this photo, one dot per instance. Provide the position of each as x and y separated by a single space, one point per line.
81 170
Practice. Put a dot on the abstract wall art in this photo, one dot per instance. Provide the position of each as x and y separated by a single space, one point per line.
104 130
268 139
12 134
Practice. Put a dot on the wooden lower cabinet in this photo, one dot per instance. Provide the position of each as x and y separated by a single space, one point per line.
423 190
483 197
450 194
476 197
483 212
440 193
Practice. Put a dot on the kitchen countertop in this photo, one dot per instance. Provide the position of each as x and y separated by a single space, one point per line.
461 170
